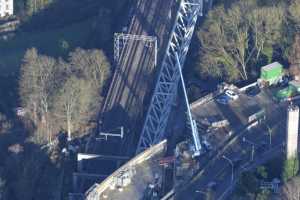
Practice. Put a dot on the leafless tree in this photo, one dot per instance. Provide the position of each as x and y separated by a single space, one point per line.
233 38
36 88
294 57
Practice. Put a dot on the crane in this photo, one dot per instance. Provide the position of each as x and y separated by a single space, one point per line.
192 122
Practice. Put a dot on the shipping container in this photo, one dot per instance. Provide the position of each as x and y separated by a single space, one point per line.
272 73
285 93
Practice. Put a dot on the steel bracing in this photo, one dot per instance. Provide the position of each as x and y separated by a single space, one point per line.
168 78
121 39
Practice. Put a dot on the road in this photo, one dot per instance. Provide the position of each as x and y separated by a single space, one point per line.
223 192
218 169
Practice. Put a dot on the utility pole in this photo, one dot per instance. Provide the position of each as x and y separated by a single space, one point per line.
252 147
231 163
269 130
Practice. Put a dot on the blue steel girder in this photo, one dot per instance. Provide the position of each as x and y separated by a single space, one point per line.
166 86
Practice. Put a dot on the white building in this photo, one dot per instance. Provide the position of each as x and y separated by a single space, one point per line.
6 8
292 131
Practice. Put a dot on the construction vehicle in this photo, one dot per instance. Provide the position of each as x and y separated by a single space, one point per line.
191 121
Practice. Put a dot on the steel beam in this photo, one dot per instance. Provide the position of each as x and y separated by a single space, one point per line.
121 39
85 156
166 87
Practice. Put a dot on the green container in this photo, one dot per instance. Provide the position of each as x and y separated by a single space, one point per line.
286 92
272 72
295 85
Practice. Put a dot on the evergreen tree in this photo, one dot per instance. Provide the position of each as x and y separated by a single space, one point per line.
290 168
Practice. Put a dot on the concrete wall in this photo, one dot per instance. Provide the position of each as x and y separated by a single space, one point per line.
6 8
95 193
292 131
247 86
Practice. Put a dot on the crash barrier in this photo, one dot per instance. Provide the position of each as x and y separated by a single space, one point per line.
97 189
169 195
247 86
221 89
203 100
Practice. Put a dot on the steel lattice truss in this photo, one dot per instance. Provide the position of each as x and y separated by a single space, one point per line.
168 78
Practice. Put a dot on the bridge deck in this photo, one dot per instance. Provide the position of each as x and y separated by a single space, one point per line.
145 174
132 83
134 77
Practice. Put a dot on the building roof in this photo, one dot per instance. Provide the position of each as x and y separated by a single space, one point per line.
271 66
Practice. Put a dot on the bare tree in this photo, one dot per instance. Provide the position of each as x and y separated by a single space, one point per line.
67 102
36 89
294 57
225 41
290 190
294 13
28 81
63 95
75 105
91 64
234 38
266 23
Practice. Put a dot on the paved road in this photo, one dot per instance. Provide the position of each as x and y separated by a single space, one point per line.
219 170
225 189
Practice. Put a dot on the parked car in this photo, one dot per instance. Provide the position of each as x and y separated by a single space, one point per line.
223 99
231 94
252 91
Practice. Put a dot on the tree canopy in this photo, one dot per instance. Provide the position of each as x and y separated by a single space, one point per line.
236 39
61 95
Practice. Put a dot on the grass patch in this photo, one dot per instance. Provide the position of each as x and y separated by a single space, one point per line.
47 42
